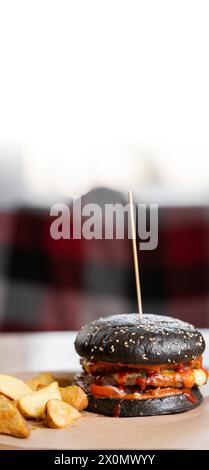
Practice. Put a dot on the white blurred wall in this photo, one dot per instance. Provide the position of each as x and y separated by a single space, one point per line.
110 93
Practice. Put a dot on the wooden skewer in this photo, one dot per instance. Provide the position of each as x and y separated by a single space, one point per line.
135 256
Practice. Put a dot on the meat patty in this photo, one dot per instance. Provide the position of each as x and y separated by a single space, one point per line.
167 378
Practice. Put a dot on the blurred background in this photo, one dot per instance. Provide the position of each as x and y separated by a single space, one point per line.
97 98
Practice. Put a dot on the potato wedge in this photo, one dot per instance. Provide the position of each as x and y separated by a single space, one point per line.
11 421
63 382
33 405
45 378
59 414
13 388
4 397
40 386
74 396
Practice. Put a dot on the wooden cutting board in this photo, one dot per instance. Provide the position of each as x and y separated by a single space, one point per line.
188 430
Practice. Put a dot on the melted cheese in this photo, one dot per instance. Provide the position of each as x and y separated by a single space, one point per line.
200 376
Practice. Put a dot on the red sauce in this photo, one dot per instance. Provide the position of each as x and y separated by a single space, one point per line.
142 383
116 410
121 378
192 398
157 381
99 379
109 391
121 387
106 391
183 378
187 377
153 393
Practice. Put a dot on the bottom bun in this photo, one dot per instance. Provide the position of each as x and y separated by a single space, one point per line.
155 406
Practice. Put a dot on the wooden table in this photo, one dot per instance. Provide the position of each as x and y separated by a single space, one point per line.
28 353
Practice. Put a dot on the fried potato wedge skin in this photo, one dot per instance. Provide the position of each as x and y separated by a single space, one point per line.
33 405
4 397
63 381
74 396
11 421
45 378
13 388
40 387
60 414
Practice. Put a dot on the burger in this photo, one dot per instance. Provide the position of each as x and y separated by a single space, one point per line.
140 367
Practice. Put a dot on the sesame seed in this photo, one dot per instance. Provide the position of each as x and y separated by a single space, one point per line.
112 348
92 349
101 348
117 340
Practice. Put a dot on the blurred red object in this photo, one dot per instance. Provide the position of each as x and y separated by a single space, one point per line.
48 284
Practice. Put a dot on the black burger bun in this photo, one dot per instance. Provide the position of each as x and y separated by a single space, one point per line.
126 339
155 406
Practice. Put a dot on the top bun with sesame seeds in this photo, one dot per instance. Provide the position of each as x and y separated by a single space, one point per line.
126 339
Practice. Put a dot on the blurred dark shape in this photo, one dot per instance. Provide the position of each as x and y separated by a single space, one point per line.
48 284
